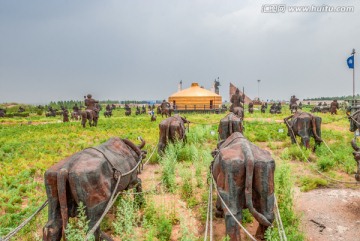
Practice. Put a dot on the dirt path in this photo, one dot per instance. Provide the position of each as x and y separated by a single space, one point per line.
329 214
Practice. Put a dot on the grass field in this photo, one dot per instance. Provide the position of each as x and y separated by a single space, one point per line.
29 146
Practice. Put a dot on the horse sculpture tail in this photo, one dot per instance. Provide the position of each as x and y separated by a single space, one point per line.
313 122
83 117
230 124
62 178
249 167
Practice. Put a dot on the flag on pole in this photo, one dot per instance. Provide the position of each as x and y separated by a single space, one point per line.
350 62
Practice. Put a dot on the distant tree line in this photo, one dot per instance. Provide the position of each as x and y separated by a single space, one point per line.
348 97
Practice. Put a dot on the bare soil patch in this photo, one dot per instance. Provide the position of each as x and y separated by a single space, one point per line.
329 214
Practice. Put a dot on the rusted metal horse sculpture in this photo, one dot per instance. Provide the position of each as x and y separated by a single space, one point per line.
356 154
305 125
171 129
91 176
244 175
91 115
229 124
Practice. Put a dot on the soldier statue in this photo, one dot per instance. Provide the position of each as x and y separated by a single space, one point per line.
333 107
76 108
2 112
165 105
216 86
273 108
293 105
251 107
90 103
300 105
263 107
65 115
278 108
21 109
236 100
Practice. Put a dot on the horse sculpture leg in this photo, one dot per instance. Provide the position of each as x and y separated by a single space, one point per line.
93 215
83 119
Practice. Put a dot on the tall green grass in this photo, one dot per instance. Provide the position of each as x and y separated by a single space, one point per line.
284 194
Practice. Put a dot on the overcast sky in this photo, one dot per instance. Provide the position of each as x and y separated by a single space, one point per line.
115 49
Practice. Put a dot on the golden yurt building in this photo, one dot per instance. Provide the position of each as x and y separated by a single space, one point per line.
195 98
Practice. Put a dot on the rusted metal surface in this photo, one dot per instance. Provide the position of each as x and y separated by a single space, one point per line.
171 129
263 107
2 112
244 174
251 107
108 113
229 124
275 108
92 116
356 154
305 125
166 109
88 176
333 107
293 104
236 100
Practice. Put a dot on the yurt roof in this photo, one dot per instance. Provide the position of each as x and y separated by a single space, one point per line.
194 90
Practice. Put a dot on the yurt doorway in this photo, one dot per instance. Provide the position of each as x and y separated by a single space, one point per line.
211 104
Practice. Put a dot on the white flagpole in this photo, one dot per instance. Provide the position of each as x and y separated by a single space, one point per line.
353 54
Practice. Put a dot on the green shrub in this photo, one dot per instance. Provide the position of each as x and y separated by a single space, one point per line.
157 223
21 114
325 163
291 221
164 228
186 190
126 214
295 153
168 163
310 183
77 228
246 216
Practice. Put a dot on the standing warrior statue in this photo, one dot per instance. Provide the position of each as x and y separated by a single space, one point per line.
216 85
293 105
236 100
90 102
333 107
